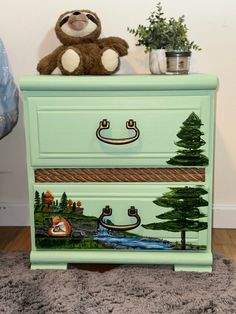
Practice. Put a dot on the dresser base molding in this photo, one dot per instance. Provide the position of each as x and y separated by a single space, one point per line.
182 261
60 175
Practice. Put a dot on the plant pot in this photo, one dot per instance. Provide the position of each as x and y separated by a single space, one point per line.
157 61
178 62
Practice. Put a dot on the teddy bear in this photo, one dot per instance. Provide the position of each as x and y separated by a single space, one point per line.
82 51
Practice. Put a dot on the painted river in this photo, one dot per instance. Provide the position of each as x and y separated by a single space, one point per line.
129 242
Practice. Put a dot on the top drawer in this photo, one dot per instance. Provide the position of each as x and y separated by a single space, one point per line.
64 131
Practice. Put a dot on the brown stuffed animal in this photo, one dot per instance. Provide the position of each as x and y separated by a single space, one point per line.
82 52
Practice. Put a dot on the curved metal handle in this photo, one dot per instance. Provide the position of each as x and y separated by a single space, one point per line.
132 212
105 124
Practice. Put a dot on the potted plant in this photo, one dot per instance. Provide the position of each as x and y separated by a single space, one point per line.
154 38
178 49
165 38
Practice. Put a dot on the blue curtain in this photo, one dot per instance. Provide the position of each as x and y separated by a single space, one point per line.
9 95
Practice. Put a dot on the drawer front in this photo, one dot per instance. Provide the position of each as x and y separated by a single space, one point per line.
64 131
120 216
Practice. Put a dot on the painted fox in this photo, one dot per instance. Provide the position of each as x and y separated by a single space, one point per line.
60 227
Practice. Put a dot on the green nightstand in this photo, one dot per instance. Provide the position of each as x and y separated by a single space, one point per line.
120 169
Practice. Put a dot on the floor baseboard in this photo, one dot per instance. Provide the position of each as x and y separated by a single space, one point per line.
12 214
224 216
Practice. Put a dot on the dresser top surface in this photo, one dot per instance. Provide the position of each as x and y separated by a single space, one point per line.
119 82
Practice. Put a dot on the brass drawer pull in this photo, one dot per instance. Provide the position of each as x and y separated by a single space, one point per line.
105 124
132 212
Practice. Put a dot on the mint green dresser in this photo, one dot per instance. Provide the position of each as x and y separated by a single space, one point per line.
120 169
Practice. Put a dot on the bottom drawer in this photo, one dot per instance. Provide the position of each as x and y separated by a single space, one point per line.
121 216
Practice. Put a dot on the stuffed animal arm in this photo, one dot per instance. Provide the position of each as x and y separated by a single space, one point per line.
49 63
116 43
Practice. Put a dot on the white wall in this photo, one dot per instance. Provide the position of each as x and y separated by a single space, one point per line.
26 28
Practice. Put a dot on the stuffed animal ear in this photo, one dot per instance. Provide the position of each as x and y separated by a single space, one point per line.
78 26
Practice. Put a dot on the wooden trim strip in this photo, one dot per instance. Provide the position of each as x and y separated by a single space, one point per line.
60 175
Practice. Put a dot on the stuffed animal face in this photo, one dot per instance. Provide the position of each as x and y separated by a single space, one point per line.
78 26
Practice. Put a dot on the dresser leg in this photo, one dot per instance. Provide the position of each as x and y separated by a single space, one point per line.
48 266
196 268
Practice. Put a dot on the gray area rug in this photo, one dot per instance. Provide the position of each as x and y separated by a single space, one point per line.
124 289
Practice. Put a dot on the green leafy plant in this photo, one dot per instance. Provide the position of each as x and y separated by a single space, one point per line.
178 36
161 33
155 35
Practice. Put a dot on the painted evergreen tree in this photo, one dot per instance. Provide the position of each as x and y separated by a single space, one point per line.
63 203
43 200
74 207
185 214
37 201
191 141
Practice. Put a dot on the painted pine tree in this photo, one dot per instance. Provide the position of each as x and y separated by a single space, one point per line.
191 140
74 207
37 201
185 214
43 204
63 203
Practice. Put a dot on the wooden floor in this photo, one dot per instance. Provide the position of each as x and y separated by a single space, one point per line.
18 239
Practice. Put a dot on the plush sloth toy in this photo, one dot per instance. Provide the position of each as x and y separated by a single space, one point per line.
82 52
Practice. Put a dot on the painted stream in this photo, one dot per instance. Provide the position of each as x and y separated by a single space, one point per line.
104 236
